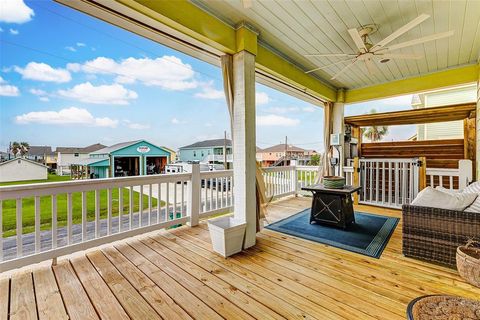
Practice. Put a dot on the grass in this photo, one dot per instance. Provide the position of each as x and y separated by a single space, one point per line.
28 206
51 178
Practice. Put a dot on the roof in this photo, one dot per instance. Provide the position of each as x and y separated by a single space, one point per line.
39 150
88 149
23 159
208 144
115 147
89 161
281 148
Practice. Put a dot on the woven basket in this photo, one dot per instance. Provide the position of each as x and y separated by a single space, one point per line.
468 262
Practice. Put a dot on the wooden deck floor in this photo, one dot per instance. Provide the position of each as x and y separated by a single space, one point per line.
174 275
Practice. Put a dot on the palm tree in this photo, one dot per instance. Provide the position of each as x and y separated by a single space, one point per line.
19 148
375 133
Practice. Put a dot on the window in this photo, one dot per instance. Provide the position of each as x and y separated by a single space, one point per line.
194 153
75 154
202 154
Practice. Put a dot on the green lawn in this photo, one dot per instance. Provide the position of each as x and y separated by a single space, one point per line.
28 216
51 178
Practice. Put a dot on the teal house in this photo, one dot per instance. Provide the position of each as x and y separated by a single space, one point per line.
205 151
132 158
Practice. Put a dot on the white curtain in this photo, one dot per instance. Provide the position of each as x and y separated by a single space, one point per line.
325 168
227 73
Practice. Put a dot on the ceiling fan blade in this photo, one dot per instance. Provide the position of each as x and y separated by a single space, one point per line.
328 65
247 4
344 69
412 24
330 55
398 56
357 39
371 66
432 37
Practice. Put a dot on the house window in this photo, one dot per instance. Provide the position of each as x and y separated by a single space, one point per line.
202 154
75 154
194 153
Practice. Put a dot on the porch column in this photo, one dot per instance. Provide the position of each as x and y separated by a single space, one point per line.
338 125
243 132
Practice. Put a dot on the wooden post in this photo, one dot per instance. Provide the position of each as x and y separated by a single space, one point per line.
356 177
422 174
244 150
193 196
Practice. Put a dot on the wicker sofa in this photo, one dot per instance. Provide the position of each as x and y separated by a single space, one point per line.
433 234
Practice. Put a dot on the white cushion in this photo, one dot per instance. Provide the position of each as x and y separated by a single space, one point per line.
474 188
429 197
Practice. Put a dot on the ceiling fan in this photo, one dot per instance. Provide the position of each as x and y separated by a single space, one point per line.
368 52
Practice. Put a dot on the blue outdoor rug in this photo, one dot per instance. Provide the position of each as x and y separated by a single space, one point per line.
368 235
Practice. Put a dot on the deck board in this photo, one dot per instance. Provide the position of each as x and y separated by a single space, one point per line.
49 301
175 275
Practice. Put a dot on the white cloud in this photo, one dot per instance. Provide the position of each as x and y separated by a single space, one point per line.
274 120
81 44
15 11
67 116
136 126
309 109
103 94
14 31
167 72
70 48
176 121
7 90
397 101
43 72
44 99
261 98
209 92
38 92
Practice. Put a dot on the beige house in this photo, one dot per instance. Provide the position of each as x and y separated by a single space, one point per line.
21 169
443 130
70 155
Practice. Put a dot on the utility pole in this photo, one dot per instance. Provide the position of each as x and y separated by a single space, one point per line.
286 149
225 164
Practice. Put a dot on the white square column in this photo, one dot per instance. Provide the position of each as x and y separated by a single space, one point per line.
244 143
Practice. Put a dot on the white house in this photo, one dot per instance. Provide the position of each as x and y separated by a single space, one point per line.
21 169
442 97
70 155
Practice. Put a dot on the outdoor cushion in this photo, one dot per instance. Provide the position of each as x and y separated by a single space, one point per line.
429 197
451 191
475 189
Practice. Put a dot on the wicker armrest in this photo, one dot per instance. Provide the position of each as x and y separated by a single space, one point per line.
433 234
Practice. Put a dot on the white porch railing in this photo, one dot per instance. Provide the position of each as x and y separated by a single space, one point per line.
451 178
280 181
54 219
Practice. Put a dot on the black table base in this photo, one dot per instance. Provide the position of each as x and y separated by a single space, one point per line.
332 206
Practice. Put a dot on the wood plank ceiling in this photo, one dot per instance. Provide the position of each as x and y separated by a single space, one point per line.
295 28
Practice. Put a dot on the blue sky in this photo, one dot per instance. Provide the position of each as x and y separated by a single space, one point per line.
68 79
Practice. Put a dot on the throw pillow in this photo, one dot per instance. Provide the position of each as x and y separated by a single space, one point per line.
475 189
429 197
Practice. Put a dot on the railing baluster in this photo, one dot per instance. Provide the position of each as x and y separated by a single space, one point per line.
37 224
109 211
84 216
390 184
69 218
383 182
97 213
19 227
167 203
377 180
149 205
54 221
159 202
174 200
451 182
130 207
140 206
120 209
211 194
183 212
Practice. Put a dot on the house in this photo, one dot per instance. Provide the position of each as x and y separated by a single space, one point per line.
42 154
131 158
443 130
4 156
68 155
22 169
278 154
206 151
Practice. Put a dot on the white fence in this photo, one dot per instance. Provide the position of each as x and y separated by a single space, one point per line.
279 181
451 178
65 217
